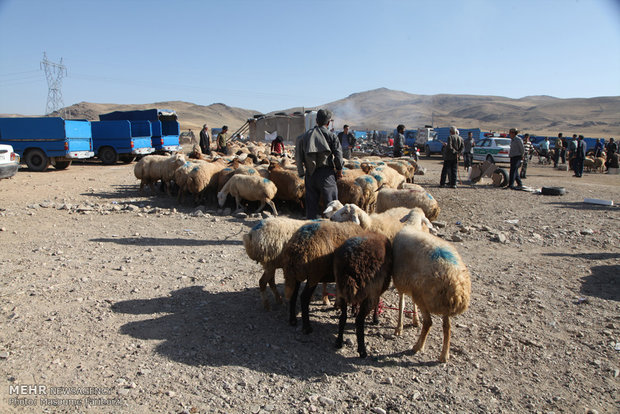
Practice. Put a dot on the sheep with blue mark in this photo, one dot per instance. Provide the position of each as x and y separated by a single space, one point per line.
404 168
384 174
369 186
362 269
250 188
201 178
290 186
388 198
264 244
430 270
308 256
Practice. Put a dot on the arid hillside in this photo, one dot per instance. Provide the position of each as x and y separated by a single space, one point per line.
385 108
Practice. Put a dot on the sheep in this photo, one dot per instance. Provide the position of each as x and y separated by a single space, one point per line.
236 168
309 256
290 186
369 186
264 244
430 270
349 191
251 188
153 168
388 223
384 175
332 207
404 168
362 269
202 177
389 198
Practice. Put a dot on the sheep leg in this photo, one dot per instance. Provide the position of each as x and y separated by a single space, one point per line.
375 314
273 207
326 300
268 277
426 326
238 201
359 327
414 315
341 323
306 295
292 306
445 351
401 306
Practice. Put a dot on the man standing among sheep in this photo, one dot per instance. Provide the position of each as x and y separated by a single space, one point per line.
319 160
347 141
450 151
516 158
399 141
205 140
222 140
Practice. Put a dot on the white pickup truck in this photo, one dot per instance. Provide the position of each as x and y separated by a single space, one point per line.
9 161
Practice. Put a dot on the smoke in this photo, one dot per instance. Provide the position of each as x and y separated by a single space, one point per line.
347 113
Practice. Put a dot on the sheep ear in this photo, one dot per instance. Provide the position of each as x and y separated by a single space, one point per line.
356 220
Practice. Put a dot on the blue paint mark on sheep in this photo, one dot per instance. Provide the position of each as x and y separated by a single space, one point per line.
196 168
266 181
187 164
368 179
378 178
429 196
307 230
352 244
227 169
251 170
445 254
259 226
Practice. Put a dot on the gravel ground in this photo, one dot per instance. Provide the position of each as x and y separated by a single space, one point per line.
115 302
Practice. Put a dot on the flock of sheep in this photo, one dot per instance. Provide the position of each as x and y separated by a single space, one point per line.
375 235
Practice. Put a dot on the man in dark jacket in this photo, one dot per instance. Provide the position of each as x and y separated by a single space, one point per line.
516 158
205 140
580 156
451 150
399 141
319 160
347 142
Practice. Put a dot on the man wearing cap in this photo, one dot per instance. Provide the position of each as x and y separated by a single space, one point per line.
319 160
516 156
222 140
347 142
205 140
450 152
580 156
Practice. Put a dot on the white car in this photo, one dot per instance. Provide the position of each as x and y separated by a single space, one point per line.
9 161
494 149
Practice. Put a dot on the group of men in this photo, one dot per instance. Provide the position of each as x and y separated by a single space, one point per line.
221 143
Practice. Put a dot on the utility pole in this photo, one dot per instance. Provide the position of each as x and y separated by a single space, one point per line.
54 73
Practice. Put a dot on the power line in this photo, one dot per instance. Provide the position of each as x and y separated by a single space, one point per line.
54 73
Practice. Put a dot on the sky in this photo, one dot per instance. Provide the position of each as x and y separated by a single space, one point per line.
272 55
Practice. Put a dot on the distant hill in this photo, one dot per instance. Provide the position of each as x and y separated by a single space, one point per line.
383 109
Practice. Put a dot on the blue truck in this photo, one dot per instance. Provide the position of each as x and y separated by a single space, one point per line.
121 140
165 129
50 140
434 145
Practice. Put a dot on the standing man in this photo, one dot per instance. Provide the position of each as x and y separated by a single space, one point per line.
544 149
468 151
319 160
598 148
222 140
399 141
205 140
558 150
451 150
516 156
612 148
347 142
580 156
527 151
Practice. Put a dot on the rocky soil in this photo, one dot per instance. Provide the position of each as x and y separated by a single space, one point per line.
155 306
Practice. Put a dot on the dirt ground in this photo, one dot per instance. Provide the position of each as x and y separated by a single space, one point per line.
115 302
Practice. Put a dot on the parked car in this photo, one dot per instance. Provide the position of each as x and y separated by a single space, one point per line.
493 149
9 161
434 146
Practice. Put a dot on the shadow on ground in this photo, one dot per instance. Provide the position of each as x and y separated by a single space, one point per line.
580 205
604 282
201 328
159 241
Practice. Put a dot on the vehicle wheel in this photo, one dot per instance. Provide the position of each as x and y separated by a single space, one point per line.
37 160
127 158
108 156
490 158
427 150
500 177
553 191
62 165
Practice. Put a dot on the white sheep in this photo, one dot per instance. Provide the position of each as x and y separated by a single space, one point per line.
430 270
153 168
369 186
250 188
389 198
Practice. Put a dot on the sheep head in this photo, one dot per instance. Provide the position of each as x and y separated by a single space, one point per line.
417 219
366 167
332 207
350 212
221 198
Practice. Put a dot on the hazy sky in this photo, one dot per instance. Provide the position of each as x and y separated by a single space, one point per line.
268 55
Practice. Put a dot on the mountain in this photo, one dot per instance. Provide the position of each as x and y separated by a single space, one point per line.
383 109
